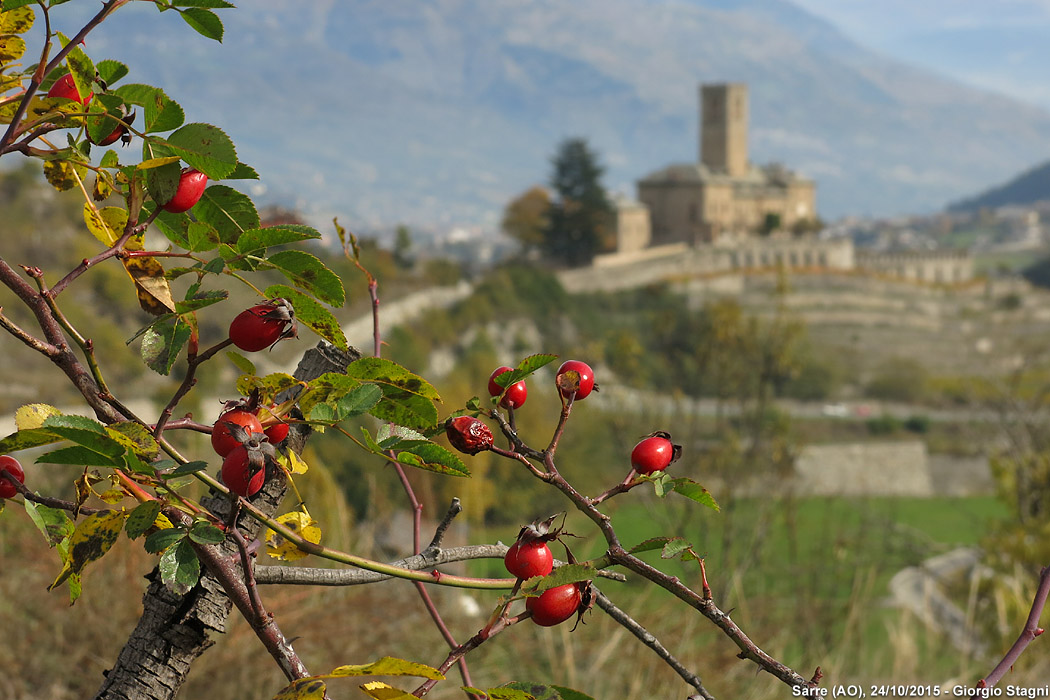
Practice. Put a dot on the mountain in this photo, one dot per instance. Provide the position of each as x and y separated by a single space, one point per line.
436 114
1027 188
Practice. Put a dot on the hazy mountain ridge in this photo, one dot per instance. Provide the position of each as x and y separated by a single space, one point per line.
387 111
1027 188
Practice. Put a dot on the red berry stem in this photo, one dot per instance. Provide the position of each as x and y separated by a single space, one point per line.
1030 631
193 361
623 487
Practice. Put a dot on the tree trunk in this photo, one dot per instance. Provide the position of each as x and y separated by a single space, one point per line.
176 629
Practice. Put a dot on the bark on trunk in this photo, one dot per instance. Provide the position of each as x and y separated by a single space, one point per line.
174 629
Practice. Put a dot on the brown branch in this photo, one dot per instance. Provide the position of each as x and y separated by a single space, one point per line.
193 362
1030 631
649 639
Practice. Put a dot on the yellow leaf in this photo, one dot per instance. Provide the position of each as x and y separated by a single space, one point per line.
162 522
62 175
112 496
387 666
382 691
297 521
33 415
11 48
151 285
293 463
16 21
157 162
106 224
303 689
91 539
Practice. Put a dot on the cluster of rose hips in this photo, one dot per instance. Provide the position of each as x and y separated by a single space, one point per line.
245 445
191 181
530 556
574 379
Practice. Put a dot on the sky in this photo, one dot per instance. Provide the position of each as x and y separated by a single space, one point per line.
1002 45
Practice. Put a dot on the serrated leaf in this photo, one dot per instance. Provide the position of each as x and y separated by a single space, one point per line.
241 362
292 462
650 545
322 413
243 172
106 224
539 691
105 113
259 239
80 67
187 469
160 112
408 399
112 496
228 211
370 441
674 547
203 3
135 437
268 386
179 567
204 22
142 518
33 415
377 690
90 540
501 693
200 301
694 491
162 539
568 573
53 523
206 533
386 666
97 451
151 284
162 178
62 423
111 71
570 694
207 148
310 314
359 401
63 175
202 237
110 159
303 689
299 522
308 273
12 48
152 163
16 20
433 458
26 439
162 343
526 367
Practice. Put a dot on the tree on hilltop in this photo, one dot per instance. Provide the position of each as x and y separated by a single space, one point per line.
579 221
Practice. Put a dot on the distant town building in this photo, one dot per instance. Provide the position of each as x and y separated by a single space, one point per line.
724 194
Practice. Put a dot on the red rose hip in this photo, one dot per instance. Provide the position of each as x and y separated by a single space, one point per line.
239 475
222 440
65 87
555 605
7 487
655 453
263 325
188 193
514 395
528 559
567 382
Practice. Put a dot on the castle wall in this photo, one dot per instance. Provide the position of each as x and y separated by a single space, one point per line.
938 267
674 210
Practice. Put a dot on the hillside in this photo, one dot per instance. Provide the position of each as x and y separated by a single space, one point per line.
1027 188
435 115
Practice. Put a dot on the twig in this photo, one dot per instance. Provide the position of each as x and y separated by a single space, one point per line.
1030 632
49 501
249 578
193 362
648 639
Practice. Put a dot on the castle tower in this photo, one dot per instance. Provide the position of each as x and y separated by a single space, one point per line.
723 128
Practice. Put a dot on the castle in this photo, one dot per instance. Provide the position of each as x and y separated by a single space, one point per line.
724 213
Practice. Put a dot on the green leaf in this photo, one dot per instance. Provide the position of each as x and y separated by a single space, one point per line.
311 314
14 4
162 539
52 522
201 300
110 159
268 386
111 71
540 691
26 439
203 3
62 424
162 175
243 172
162 343
135 438
501 693
650 545
80 456
160 112
674 547
105 109
694 491
568 573
370 441
187 469
433 458
202 237
207 148
259 239
408 399
322 413
570 694
228 211
526 367
359 401
80 65
142 518
205 22
206 533
179 566
307 272
241 362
